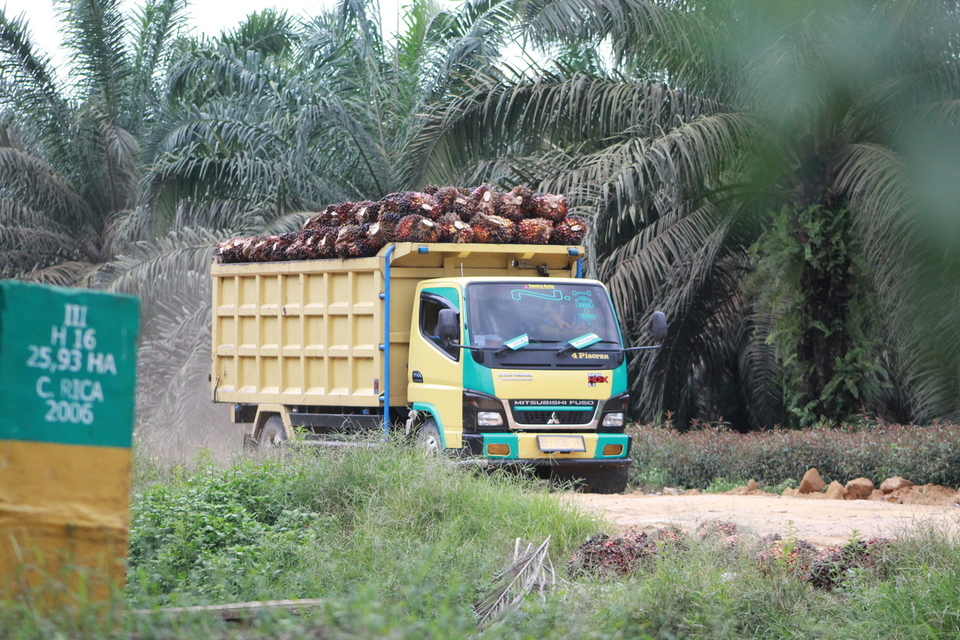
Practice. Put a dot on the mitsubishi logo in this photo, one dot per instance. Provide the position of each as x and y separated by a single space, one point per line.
553 418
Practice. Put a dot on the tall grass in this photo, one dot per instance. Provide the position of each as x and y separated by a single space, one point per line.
311 525
398 545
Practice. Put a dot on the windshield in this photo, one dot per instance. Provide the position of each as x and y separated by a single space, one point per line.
546 313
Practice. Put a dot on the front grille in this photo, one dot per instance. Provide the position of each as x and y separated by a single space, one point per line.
560 412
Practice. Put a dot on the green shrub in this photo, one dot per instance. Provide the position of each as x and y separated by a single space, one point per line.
697 459
317 524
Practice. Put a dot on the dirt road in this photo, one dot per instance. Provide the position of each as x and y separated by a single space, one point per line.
821 522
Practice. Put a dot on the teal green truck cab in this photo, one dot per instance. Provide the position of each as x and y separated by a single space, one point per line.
529 374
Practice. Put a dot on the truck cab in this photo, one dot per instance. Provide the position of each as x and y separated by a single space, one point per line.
521 372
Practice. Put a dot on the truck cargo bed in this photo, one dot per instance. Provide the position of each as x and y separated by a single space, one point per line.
313 332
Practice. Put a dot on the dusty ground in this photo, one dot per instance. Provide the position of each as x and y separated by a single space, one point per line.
821 522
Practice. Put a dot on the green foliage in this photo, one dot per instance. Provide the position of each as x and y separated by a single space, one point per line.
710 117
722 484
319 525
399 545
777 458
813 280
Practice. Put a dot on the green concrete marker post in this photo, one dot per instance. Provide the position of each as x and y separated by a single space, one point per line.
67 402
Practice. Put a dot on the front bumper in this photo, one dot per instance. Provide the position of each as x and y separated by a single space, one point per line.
558 466
524 450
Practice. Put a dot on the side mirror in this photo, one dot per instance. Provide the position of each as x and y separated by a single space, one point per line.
448 325
658 323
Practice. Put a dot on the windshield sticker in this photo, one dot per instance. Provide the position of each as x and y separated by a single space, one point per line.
555 295
517 343
585 341
585 307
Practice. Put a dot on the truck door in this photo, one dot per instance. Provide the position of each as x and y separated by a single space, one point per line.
435 382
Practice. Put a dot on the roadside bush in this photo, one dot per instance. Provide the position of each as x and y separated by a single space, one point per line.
699 458
321 524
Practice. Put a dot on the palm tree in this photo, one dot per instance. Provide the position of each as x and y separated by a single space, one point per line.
69 150
714 118
259 125
325 118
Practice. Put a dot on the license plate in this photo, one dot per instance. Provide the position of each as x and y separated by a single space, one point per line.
561 444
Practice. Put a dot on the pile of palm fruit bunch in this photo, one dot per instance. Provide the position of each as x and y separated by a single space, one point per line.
436 214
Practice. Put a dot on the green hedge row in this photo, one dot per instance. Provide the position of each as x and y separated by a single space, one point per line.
696 459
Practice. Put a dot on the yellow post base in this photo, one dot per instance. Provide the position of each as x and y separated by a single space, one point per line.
64 521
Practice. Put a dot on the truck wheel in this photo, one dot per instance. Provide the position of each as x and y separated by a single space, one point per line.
273 433
428 437
609 482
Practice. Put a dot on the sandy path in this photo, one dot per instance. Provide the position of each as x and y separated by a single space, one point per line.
822 522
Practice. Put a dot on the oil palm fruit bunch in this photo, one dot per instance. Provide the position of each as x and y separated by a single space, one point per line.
453 229
389 205
313 243
387 222
534 231
492 229
570 230
416 228
321 219
552 207
379 234
794 555
334 215
455 201
304 245
485 200
326 242
364 212
231 250
419 203
835 565
349 239
517 204
510 207
279 245
260 250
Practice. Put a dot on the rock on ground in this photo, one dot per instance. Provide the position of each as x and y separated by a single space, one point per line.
811 482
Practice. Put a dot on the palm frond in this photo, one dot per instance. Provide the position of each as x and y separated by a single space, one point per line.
33 89
155 24
530 572
95 32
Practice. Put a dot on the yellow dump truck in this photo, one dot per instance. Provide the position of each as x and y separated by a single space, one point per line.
498 354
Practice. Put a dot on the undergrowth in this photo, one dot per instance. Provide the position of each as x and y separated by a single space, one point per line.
398 545
310 525
709 457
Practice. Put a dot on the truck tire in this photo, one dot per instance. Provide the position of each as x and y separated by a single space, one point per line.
273 433
428 437
609 482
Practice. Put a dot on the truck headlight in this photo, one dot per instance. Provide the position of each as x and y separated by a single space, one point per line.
613 420
482 411
489 419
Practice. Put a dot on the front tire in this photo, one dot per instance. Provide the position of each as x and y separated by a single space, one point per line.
273 434
428 437
609 482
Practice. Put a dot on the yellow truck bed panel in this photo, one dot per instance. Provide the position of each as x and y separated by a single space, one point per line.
311 332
